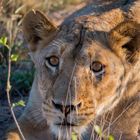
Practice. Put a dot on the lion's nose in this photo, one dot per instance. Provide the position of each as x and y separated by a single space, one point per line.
66 109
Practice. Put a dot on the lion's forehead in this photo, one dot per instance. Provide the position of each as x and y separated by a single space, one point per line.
67 52
78 42
89 42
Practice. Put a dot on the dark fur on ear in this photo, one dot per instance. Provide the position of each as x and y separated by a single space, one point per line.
37 26
125 40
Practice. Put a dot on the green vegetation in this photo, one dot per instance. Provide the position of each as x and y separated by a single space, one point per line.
21 77
100 133
19 103
74 136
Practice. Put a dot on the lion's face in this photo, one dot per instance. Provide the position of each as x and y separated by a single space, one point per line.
78 75
76 88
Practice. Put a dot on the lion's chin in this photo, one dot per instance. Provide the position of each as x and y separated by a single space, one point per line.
64 132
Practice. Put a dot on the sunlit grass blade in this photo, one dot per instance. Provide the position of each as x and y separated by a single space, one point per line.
19 103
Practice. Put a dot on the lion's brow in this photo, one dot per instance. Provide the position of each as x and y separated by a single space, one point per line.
57 43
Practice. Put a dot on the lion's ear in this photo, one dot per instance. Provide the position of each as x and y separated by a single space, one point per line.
125 40
36 27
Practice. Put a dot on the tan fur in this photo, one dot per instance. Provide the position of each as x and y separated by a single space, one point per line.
111 38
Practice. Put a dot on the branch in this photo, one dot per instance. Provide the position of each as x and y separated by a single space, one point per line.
8 88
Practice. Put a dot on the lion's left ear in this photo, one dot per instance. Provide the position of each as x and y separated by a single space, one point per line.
125 40
37 27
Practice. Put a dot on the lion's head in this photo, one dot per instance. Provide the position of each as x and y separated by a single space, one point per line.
81 70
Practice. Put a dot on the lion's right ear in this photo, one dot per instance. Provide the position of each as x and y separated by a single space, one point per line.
124 39
36 27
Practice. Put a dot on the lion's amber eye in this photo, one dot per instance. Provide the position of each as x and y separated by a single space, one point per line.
53 61
97 66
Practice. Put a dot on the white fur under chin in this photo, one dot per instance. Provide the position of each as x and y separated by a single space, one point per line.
65 133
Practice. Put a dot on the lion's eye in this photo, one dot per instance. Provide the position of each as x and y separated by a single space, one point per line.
97 66
53 61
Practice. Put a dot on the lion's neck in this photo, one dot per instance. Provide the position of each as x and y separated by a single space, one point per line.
33 112
132 90
132 87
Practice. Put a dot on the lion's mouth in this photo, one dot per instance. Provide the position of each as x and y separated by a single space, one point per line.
64 129
65 123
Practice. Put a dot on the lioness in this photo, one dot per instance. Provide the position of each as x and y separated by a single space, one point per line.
87 68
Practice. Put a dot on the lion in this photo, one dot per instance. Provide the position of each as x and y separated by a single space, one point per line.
87 69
